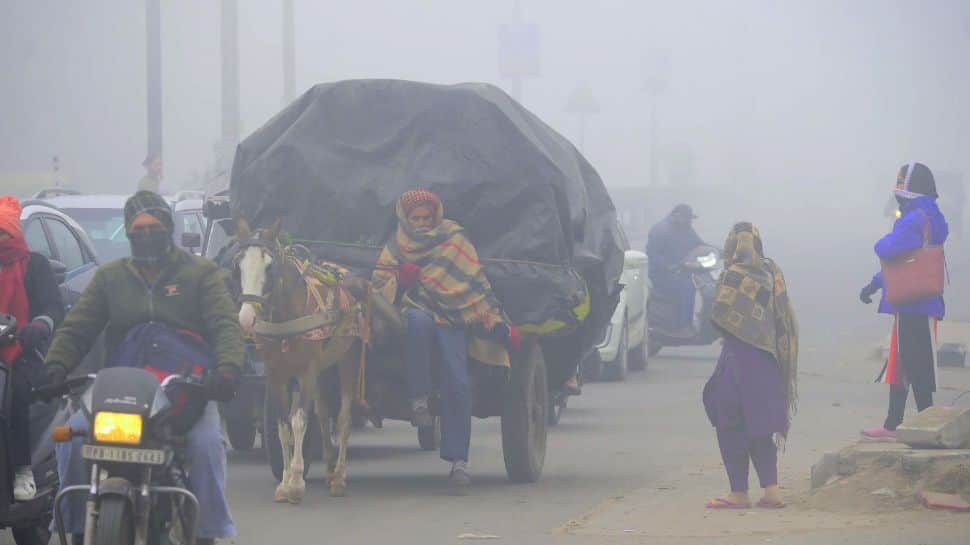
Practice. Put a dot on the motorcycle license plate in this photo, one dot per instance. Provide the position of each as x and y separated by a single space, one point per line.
123 454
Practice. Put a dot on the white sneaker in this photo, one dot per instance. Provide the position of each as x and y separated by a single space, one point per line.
24 488
459 475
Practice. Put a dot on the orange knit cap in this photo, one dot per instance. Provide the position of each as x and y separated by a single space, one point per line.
10 216
418 197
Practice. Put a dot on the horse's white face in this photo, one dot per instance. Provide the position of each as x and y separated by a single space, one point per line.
253 267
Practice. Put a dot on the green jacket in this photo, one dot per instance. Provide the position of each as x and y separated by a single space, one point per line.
190 294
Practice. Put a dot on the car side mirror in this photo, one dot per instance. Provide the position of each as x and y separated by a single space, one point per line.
60 271
191 240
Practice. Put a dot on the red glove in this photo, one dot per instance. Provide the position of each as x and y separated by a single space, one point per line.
408 274
515 339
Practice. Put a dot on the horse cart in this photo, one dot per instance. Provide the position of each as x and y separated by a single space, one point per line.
331 166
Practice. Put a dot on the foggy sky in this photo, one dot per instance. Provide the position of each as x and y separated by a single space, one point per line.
816 96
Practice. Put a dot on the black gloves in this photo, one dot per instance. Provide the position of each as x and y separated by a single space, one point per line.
867 292
222 383
35 335
56 374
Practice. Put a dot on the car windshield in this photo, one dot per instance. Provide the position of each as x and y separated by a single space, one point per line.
106 228
219 236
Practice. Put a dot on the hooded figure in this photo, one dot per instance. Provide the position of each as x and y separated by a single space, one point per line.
751 396
431 270
668 244
912 355
29 293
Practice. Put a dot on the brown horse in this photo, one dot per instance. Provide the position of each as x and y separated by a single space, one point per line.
306 317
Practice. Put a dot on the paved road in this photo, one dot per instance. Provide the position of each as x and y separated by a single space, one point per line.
648 433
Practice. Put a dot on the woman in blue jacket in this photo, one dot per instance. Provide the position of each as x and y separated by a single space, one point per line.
912 354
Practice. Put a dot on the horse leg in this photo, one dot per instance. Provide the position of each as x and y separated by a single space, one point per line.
286 440
348 385
298 422
323 415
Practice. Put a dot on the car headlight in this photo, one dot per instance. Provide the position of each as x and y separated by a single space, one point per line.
117 428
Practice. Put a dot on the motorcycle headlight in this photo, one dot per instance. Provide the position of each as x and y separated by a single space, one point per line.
707 261
117 428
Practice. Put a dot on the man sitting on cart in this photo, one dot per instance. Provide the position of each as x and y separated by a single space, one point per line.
431 270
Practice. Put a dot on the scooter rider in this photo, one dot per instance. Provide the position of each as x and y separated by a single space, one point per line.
668 244
161 283
28 292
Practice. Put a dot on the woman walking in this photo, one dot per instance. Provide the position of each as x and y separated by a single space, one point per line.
751 396
912 355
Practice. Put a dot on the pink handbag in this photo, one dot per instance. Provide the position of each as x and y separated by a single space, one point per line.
915 275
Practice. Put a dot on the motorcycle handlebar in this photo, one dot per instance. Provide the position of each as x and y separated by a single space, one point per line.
47 393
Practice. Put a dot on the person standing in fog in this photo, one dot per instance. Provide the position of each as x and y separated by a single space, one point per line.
152 180
751 396
912 355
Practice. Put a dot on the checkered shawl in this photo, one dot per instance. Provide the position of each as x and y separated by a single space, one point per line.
453 285
753 305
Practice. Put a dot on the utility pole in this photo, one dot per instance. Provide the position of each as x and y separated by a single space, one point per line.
153 24
230 82
658 74
289 53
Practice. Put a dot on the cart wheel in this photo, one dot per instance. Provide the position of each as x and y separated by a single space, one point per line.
429 437
524 415
271 439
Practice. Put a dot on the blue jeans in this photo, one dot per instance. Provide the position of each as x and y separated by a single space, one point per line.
452 358
205 452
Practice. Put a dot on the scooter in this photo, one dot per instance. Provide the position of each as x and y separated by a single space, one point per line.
704 265
138 492
28 521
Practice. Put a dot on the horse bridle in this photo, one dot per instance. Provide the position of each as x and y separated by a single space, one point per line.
271 274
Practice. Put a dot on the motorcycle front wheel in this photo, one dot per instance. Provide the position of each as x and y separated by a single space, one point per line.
116 524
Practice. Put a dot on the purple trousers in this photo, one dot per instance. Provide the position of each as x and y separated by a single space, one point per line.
745 402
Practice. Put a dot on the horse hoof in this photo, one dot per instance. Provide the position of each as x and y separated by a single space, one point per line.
282 496
297 491
338 489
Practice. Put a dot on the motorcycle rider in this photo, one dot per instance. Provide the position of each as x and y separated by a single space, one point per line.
668 244
163 283
28 292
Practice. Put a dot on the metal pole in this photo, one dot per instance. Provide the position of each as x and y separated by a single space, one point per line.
653 140
289 64
153 23
230 80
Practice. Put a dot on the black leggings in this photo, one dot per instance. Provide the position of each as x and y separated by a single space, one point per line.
19 417
917 361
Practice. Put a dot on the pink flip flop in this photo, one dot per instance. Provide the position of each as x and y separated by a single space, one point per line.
724 503
765 503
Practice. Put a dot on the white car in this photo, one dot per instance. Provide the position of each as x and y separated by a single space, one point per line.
624 347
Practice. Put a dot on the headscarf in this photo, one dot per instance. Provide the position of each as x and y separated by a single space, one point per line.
752 304
151 202
915 180
14 257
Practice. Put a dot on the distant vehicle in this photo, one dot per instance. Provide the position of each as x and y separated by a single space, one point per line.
189 195
624 346
103 218
54 234
189 225
55 192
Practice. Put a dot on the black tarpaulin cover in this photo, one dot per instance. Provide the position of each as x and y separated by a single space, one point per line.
333 163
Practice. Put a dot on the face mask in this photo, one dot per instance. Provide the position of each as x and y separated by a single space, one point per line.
150 246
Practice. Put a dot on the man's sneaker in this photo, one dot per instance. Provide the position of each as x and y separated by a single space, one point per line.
420 414
880 433
24 488
459 475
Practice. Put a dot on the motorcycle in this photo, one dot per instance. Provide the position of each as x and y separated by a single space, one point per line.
29 520
138 493
704 265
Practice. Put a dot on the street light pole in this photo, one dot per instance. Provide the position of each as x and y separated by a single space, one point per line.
289 49
153 27
230 81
